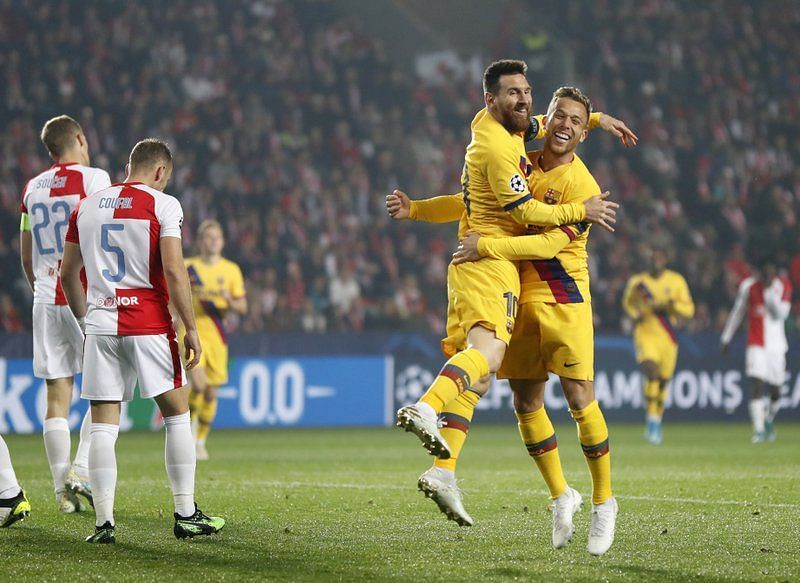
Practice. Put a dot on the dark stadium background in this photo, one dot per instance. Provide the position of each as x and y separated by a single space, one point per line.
291 121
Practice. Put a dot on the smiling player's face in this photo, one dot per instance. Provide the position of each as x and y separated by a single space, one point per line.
511 106
566 125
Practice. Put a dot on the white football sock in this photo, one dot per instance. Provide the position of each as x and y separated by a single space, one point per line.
180 459
57 445
81 461
757 414
103 470
772 409
9 487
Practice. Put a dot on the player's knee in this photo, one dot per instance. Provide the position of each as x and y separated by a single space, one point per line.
482 386
527 403
579 394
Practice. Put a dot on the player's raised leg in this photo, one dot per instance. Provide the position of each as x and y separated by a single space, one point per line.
483 355
14 504
593 436
539 437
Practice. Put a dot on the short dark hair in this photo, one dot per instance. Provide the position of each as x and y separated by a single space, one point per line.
149 152
491 77
58 134
576 95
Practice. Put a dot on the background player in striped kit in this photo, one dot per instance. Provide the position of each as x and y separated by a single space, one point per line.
47 202
766 298
217 286
657 300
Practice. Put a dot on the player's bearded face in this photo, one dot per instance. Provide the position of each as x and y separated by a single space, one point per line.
512 104
566 125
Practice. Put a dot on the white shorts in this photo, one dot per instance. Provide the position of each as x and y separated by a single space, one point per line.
766 365
112 365
57 342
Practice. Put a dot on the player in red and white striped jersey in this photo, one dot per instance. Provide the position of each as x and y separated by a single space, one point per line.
47 202
128 238
766 298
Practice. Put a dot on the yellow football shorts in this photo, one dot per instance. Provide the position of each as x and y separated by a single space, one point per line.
482 293
659 348
214 358
551 337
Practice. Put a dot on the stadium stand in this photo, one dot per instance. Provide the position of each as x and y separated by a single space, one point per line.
293 146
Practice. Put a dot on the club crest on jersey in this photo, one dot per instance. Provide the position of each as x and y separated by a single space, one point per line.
113 302
525 166
551 196
517 183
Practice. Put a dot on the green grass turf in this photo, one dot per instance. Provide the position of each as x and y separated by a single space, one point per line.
342 505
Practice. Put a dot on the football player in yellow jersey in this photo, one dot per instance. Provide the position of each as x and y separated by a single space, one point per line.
657 300
554 330
483 295
217 286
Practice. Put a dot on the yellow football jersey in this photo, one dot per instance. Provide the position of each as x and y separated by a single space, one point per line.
210 284
657 302
495 186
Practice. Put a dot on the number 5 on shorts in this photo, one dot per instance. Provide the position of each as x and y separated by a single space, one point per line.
109 248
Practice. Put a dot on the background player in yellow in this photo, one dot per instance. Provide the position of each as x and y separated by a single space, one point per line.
217 286
482 296
554 330
658 301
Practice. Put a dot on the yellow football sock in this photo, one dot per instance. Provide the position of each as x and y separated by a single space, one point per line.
456 376
539 438
206 417
593 435
456 418
661 398
651 390
196 401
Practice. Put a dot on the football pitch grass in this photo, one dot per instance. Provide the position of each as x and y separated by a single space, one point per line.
341 504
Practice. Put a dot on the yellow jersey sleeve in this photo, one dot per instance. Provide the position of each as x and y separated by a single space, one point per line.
438 209
682 303
236 288
629 299
511 190
544 246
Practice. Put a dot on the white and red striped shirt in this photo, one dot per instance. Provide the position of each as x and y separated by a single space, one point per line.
767 308
119 230
49 200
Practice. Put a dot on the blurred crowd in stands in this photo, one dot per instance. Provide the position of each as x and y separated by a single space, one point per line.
291 122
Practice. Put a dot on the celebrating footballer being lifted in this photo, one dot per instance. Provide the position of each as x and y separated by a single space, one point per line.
504 191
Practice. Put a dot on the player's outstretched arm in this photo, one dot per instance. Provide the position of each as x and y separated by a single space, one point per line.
618 128
26 249
71 265
181 295
545 246
438 209
596 209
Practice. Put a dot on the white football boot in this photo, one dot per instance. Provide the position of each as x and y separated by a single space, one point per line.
79 484
68 502
601 532
440 486
564 508
421 419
